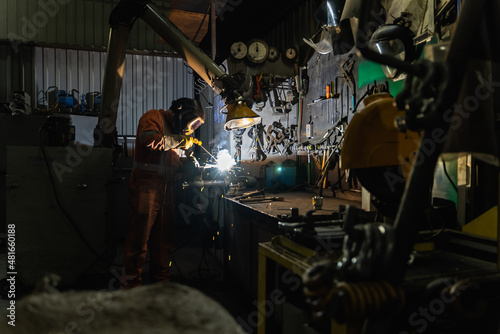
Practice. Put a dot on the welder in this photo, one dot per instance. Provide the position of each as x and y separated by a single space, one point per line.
160 137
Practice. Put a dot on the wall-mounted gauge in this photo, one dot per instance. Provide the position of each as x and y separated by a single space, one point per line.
239 50
291 54
274 54
257 51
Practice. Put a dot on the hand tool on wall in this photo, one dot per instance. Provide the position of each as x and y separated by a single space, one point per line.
274 138
259 95
238 139
255 133
347 69
290 138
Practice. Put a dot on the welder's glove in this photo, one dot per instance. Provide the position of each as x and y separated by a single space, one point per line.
187 142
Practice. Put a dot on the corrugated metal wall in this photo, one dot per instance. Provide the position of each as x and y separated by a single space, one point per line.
299 24
150 81
71 22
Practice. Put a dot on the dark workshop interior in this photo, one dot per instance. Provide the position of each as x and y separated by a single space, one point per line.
249 166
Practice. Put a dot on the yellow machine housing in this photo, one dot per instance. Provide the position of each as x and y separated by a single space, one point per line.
372 139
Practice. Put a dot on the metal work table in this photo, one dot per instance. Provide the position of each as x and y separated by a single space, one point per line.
295 258
300 200
248 224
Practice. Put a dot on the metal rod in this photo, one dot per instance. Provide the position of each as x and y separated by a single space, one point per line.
208 153
112 82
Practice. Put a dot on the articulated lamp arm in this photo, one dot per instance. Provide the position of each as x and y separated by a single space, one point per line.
121 21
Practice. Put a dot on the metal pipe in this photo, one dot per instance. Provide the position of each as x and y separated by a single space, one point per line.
213 29
195 57
206 184
122 19
363 45
208 152
112 83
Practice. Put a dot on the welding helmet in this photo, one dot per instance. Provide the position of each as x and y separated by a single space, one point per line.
189 115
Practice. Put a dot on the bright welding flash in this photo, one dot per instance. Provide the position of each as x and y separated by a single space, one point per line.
224 160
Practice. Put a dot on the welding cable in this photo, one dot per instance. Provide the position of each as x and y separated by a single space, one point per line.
359 101
202 21
448 176
207 269
66 214
185 243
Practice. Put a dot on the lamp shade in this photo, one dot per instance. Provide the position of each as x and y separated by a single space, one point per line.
394 40
239 116
329 13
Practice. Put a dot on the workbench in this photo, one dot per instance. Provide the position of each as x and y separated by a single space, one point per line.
270 265
296 259
249 224
296 199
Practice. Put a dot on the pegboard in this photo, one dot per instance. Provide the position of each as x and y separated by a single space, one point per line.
326 113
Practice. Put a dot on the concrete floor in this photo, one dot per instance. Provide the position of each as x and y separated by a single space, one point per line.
190 265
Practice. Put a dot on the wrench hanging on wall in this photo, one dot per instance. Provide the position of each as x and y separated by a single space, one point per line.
255 133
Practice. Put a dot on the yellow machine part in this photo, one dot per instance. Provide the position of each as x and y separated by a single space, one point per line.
372 140
485 225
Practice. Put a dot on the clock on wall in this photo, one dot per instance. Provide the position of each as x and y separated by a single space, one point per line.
239 50
274 54
291 54
258 51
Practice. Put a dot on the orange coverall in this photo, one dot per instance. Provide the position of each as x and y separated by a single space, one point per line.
151 199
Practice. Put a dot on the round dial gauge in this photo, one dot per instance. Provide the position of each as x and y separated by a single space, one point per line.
274 54
239 50
291 53
257 51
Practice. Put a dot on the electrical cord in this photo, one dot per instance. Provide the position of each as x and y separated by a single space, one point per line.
338 182
202 21
448 176
185 243
65 213
207 268
359 101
